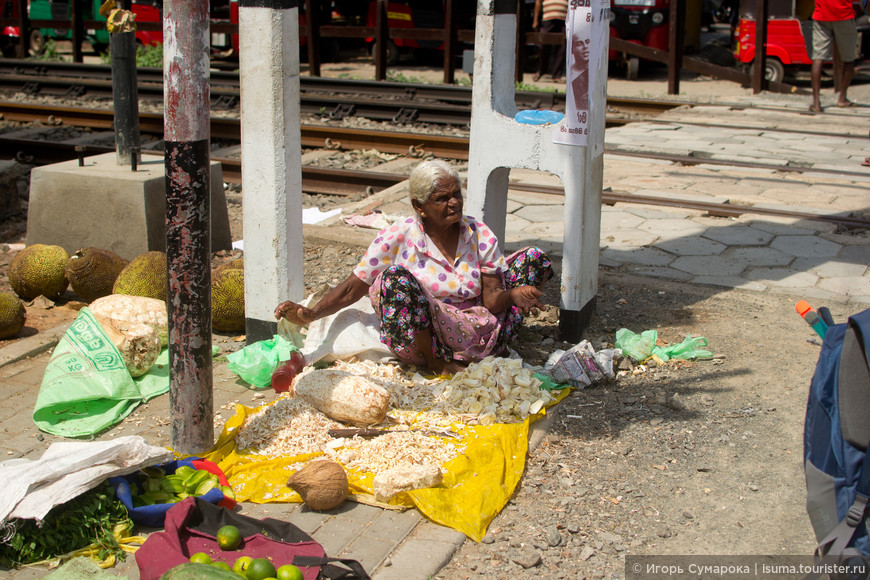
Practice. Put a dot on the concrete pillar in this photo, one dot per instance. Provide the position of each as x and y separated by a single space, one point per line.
271 160
532 147
188 244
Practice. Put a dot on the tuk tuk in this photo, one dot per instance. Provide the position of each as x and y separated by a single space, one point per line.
789 36
643 22
146 11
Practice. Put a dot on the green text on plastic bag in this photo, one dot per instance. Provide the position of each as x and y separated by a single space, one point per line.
255 363
86 386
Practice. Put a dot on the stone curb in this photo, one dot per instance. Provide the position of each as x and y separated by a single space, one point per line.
32 346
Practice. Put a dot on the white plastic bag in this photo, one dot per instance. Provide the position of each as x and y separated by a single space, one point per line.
67 469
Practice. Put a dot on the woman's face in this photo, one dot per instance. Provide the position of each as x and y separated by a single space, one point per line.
444 205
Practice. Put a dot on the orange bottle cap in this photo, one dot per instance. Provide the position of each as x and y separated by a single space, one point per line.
803 307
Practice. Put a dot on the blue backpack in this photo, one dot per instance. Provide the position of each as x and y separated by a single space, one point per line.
836 437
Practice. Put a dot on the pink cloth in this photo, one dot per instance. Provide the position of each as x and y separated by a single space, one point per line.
470 330
456 281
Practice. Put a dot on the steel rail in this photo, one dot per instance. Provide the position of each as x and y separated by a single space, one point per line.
321 136
61 77
344 182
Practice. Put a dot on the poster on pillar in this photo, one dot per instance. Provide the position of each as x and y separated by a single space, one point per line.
586 28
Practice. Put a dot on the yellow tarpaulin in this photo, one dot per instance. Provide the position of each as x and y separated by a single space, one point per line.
477 484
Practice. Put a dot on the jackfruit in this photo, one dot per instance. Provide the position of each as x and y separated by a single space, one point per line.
145 276
239 264
12 315
228 299
38 270
92 272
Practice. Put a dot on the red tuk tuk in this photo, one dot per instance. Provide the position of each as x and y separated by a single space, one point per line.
642 22
786 43
788 37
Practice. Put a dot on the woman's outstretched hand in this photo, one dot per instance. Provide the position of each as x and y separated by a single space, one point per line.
525 298
295 313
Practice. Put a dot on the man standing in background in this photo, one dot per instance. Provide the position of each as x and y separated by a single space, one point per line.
550 14
833 26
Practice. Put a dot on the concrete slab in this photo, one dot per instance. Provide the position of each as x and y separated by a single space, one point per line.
805 246
622 239
640 256
111 207
424 552
737 235
672 229
659 272
776 226
782 277
538 213
827 268
759 256
546 231
704 265
730 282
845 285
613 218
652 212
691 246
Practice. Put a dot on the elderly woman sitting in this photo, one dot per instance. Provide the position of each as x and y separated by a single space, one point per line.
444 293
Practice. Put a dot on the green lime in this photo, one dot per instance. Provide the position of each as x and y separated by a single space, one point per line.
240 567
201 558
289 572
260 569
229 537
222 566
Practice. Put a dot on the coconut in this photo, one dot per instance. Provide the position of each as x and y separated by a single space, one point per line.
322 485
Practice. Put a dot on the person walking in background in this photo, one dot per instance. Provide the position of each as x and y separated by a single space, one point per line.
550 15
833 22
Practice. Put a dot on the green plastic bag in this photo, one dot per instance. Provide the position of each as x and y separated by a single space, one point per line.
637 346
86 386
642 346
688 349
255 363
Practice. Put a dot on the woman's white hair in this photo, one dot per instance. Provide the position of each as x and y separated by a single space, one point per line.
428 176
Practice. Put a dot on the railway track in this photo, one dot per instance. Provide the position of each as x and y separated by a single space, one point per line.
335 98
351 182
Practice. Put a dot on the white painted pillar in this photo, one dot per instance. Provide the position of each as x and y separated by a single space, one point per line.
271 160
499 143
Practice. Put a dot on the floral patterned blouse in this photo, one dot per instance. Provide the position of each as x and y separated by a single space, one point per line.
456 281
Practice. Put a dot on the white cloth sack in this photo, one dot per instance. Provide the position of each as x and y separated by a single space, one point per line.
67 469
351 332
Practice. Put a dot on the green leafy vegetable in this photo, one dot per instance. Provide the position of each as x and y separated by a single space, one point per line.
90 518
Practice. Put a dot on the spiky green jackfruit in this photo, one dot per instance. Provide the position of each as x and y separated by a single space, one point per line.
92 272
12 315
39 270
228 299
145 275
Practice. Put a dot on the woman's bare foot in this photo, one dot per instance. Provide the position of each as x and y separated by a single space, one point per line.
442 367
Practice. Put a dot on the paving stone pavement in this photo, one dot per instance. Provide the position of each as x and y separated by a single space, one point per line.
802 257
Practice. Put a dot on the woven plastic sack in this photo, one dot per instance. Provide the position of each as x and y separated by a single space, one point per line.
87 387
